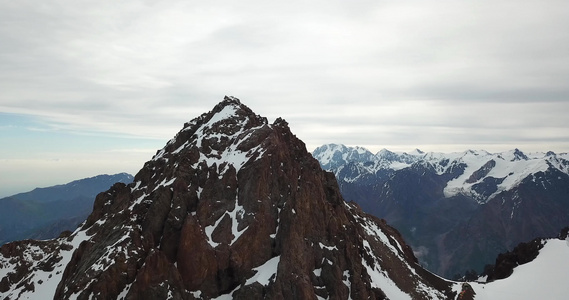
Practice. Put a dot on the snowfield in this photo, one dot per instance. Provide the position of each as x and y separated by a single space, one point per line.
45 282
543 278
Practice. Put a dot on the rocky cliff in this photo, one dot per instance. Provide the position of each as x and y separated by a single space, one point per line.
231 207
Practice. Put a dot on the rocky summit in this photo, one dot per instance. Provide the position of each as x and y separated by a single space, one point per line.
231 207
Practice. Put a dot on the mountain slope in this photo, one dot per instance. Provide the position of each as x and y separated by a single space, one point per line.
39 214
436 199
542 277
232 207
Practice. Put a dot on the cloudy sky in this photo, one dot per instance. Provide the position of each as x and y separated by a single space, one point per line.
91 87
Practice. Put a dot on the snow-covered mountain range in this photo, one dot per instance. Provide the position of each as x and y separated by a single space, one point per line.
437 199
473 172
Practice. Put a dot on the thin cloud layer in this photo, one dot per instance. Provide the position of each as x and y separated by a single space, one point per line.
442 75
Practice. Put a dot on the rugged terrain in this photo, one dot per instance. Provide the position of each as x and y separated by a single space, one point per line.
457 210
232 207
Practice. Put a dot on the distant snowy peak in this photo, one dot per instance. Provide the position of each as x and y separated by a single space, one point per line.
333 155
416 152
479 168
503 171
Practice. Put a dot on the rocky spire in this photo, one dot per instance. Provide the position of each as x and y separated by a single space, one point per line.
235 207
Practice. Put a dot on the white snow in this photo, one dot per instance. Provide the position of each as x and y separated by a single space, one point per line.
136 186
236 213
398 165
124 292
380 277
328 151
164 183
226 112
513 173
231 156
49 280
265 271
197 294
543 278
381 280
327 247
347 283
372 230
184 145
228 296
137 201
209 231
274 235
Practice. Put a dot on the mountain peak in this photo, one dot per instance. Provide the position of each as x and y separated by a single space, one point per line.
331 155
519 155
224 136
386 154
514 155
231 99
416 151
231 207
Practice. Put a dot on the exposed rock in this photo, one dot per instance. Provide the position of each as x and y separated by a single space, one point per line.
482 172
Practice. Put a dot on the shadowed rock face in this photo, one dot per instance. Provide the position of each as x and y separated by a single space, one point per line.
234 206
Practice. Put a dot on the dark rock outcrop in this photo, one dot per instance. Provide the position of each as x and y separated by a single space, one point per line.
523 253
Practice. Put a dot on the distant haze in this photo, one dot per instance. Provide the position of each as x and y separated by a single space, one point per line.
95 87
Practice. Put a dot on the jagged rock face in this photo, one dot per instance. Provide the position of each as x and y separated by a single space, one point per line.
235 207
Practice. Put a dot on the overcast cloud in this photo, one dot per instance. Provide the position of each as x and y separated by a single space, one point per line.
437 75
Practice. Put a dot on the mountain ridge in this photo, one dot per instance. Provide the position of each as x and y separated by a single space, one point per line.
39 214
436 199
333 156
